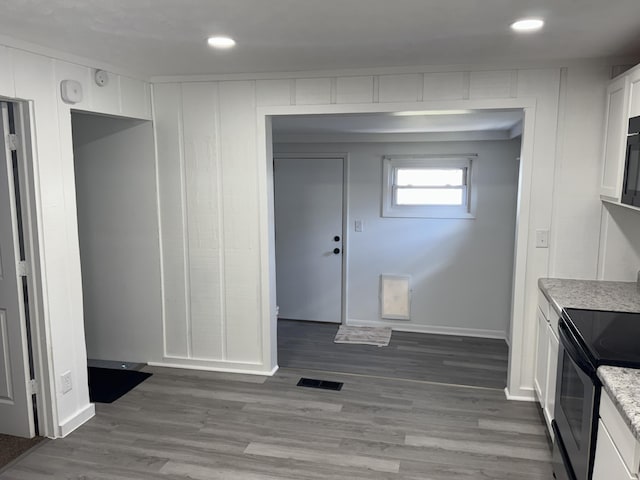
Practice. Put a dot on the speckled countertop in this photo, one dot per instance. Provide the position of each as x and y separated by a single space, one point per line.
622 384
591 294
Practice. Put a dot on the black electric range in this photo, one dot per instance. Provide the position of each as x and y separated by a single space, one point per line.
588 339
607 338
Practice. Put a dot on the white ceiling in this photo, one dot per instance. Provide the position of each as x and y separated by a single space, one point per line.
383 123
164 37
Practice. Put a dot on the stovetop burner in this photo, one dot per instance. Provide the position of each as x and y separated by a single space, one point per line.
612 338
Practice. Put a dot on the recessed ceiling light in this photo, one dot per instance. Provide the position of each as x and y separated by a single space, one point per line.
221 42
527 25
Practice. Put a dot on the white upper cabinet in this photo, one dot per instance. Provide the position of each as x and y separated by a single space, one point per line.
615 138
634 96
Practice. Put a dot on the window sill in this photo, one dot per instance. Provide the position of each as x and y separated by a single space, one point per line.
397 213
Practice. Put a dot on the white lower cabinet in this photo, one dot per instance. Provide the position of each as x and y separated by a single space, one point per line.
544 377
550 397
542 359
609 464
617 450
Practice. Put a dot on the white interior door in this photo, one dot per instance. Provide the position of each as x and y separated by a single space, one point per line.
16 412
308 220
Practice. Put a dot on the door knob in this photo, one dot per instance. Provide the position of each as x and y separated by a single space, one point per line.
336 238
336 251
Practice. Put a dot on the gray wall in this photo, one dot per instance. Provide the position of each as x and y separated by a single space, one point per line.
461 269
118 231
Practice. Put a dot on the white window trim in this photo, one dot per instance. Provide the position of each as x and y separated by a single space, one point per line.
392 162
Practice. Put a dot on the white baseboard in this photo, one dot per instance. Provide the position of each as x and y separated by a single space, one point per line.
215 366
435 329
523 395
70 424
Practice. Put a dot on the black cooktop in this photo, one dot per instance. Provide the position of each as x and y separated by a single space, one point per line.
611 338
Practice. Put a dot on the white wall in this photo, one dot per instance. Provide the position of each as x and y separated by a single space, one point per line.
577 173
619 244
118 229
448 259
213 128
36 78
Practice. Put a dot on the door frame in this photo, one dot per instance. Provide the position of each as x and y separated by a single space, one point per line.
345 220
31 206
517 329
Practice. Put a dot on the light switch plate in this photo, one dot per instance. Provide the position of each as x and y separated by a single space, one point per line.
359 227
542 238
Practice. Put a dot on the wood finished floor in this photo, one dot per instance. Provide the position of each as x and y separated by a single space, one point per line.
415 356
183 424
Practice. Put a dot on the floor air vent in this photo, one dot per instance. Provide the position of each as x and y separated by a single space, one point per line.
323 384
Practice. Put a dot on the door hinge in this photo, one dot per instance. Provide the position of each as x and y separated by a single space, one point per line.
23 269
12 141
33 387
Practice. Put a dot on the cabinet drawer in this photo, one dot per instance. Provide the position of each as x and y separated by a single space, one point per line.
609 464
625 442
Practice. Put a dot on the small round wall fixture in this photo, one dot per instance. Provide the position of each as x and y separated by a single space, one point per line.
101 78
527 25
221 42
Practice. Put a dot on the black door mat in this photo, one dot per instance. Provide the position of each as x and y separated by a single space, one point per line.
323 384
106 385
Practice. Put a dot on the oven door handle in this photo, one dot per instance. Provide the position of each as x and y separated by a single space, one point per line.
569 343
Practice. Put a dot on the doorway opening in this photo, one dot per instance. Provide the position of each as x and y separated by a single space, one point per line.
116 197
457 324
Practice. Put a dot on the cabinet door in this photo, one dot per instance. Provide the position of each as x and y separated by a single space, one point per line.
615 138
634 93
550 399
542 359
608 463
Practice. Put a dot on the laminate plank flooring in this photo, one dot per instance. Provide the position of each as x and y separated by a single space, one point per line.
446 359
182 424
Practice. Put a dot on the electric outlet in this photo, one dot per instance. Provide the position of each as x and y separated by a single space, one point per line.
67 386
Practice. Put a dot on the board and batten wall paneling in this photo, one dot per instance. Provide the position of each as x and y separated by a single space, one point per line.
574 205
273 92
620 244
134 97
354 89
238 154
173 227
244 297
446 86
7 85
544 85
202 197
34 77
400 88
313 91
492 84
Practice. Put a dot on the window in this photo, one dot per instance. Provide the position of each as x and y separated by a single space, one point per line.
427 187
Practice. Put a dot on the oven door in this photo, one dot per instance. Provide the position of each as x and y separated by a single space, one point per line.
577 398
